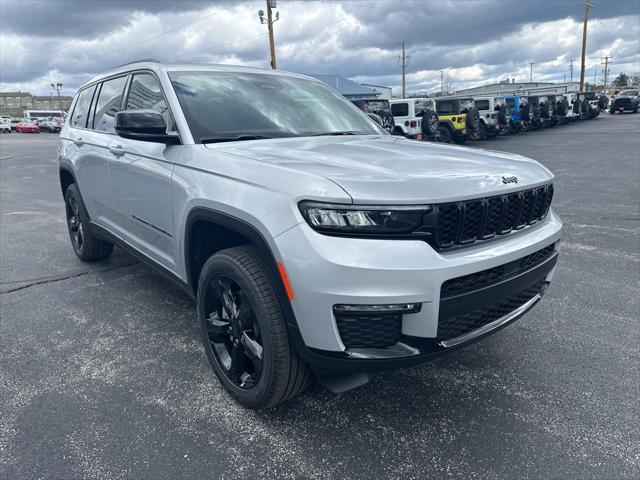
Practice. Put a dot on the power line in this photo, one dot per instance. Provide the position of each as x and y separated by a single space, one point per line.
217 46
64 44
153 37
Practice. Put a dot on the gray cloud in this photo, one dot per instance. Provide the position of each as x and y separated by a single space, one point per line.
475 41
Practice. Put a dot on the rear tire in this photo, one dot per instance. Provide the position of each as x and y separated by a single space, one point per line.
244 330
429 123
87 247
387 122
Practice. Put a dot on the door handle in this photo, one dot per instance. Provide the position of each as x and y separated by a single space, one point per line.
79 142
117 150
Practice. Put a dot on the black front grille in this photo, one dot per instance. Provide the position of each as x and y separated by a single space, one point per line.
485 278
463 223
369 331
623 102
536 257
452 327
472 281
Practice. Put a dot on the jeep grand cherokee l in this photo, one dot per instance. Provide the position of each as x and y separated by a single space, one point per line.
315 244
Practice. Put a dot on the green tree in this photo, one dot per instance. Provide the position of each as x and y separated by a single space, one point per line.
621 80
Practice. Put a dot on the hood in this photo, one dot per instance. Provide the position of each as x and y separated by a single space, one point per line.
387 169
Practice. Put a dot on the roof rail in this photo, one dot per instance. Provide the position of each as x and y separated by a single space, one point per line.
154 60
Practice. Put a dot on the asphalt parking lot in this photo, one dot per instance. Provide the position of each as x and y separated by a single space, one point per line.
102 374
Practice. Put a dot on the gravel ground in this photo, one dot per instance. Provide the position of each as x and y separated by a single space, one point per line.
102 374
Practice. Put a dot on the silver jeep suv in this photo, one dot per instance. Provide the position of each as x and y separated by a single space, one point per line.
315 244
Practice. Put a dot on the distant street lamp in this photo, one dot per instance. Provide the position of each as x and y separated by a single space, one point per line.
57 88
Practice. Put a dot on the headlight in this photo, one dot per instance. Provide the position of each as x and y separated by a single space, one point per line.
363 219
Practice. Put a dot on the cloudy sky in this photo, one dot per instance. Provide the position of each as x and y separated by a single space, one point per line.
479 41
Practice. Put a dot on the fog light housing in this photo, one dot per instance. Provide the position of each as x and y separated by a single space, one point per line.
394 308
371 326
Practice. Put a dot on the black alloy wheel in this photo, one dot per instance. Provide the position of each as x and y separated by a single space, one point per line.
87 247
233 332
74 222
244 331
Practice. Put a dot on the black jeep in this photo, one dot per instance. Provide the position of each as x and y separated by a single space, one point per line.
380 107
535 112
588 105
626 101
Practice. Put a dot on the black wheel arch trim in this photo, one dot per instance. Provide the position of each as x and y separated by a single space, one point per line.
68 170
260 242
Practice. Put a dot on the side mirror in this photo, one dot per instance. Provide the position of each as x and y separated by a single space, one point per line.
144 125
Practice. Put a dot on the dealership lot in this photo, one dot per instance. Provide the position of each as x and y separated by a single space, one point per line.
102 374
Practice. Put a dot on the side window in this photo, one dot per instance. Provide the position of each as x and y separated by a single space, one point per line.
81 110
400 109
146 94
109 101
482 104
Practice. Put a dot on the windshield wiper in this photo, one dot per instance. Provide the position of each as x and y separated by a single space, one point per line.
237 138
339 132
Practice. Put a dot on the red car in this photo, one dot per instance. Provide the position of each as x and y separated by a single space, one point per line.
27 127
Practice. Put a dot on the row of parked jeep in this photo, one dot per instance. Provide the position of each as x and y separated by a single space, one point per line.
456 119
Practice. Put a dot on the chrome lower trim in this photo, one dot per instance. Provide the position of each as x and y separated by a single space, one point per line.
493 325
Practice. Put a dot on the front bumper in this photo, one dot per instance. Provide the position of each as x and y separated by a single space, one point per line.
325 271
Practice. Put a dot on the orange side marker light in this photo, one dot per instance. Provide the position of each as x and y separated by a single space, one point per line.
285 281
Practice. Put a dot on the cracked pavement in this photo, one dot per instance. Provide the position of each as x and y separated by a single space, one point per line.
102 374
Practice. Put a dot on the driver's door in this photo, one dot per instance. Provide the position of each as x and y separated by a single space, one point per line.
141 178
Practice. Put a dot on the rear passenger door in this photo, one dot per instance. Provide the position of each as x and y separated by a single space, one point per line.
88 156
141 177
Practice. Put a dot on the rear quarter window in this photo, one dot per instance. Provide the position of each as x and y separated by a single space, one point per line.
482 104
400 109
81 110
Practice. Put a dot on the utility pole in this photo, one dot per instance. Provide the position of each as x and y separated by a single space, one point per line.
571 69
587 6
595 75
531 64
271 4
606 73
57 88
441 81
403 60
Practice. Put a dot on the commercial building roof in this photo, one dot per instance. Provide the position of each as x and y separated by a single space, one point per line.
346 87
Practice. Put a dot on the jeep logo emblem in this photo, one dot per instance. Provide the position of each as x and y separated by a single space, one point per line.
506 180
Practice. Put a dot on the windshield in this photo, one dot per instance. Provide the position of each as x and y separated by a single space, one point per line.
375 106
250 105
447 107
630 93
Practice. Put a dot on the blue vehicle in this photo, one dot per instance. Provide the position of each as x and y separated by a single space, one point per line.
516 104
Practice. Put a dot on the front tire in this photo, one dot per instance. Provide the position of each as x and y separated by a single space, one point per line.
443 135
244 330
87 247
